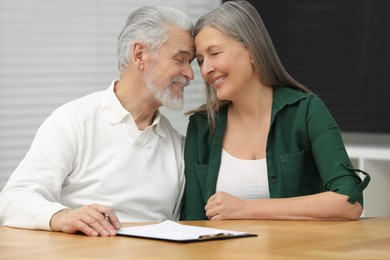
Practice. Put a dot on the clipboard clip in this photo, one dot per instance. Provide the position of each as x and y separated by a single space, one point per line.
215 236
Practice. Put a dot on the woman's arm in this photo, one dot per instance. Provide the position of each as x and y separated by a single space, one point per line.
322 206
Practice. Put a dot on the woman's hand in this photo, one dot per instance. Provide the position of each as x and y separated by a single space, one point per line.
225 206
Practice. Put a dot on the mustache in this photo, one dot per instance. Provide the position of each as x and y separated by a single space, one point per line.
181 81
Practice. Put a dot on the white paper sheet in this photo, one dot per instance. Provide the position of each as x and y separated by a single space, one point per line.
169 230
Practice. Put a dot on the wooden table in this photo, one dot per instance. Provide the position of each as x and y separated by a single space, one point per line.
367 239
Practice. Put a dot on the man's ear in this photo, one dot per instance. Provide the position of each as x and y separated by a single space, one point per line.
139 54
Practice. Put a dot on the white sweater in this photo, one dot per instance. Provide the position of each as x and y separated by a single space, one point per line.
90 151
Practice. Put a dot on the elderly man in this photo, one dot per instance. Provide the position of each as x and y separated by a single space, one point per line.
111 157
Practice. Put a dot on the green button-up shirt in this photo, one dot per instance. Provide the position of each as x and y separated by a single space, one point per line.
305 153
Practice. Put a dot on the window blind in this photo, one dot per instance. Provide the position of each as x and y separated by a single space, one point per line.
53 51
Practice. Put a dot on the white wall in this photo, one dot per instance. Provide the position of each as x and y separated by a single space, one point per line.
53 51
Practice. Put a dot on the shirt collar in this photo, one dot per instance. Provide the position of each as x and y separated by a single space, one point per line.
282 96
156 122
116 112
112 106
286 96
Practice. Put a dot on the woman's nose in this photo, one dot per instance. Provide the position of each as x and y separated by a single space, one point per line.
207 68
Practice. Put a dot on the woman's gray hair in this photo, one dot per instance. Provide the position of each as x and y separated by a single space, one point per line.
150 25
240 21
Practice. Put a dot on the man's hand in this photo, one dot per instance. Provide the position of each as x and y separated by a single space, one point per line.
92 220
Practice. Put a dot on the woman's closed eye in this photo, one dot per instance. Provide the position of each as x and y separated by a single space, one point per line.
212 55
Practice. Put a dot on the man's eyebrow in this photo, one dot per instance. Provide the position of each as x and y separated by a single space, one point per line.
185 52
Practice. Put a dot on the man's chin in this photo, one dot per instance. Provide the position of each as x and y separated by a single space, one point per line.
175 104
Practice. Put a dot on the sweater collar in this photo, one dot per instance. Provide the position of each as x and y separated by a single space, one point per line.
117 113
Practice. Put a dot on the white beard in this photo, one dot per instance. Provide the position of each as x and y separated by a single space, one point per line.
165 95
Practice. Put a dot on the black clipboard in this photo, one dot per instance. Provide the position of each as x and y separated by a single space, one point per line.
175 232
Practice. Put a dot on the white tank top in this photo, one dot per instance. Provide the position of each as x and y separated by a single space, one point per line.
246 179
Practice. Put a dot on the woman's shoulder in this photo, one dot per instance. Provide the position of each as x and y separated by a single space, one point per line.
199 115
289 95
199 119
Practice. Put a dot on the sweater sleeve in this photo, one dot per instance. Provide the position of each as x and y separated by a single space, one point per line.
30 197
